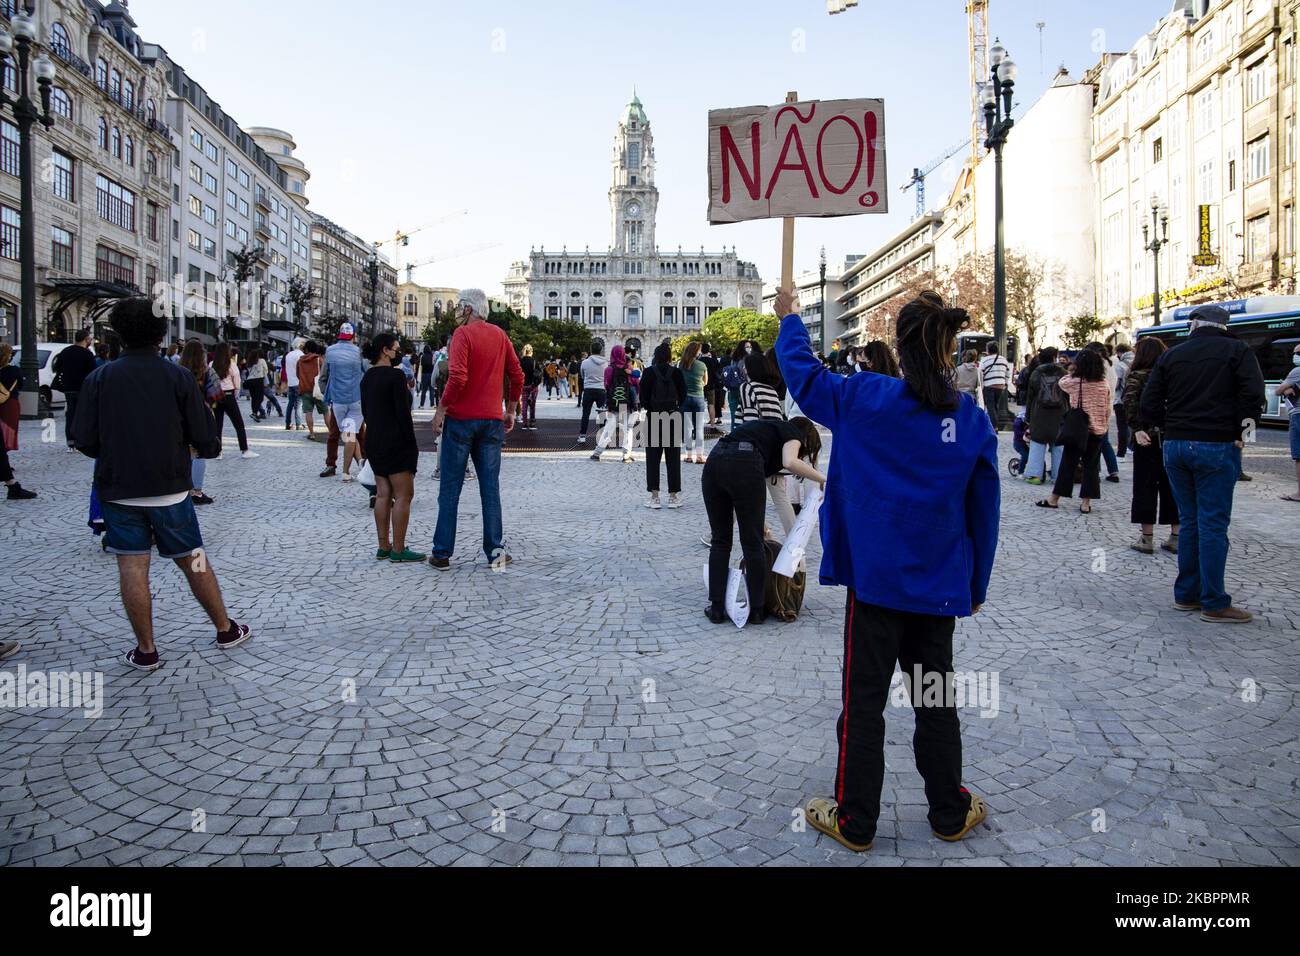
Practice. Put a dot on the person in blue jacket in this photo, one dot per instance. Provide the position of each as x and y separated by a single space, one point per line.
909 525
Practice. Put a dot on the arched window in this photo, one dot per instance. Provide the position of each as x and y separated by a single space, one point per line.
59 39
115 142
128 95
115 85
150 111
101 74
130 151
151 162
61 102
103 133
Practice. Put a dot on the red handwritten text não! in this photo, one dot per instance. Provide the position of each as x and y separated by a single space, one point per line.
818 159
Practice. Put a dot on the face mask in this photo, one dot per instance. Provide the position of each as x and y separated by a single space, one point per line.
1295 359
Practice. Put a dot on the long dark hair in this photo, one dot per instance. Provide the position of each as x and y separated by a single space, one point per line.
195 359
778 380
1147 353
881 359
1089 365
759 370
927 336
221 359
810 439
375 347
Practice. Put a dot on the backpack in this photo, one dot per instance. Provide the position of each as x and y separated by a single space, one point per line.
440 376
782 596
1050 395
426 362
620 388
662 396
733 376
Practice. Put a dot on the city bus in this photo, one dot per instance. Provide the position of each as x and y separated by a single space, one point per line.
1270 325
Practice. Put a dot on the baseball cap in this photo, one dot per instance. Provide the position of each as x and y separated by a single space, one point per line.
346 331
1210 313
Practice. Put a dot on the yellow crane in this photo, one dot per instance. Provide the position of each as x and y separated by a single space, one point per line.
401 239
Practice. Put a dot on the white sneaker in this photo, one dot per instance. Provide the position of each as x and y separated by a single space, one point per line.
249 454
674 501
654 503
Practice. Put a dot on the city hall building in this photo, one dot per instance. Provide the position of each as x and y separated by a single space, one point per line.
634 293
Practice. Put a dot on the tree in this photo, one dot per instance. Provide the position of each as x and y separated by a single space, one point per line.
1081 330
243 266
1027 275
301 295
726 328
326 328
679 344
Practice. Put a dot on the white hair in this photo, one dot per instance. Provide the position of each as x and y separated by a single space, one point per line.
476 299
299 342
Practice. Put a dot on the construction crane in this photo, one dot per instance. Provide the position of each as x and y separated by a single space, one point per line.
918 176
977 25
466 251
401 239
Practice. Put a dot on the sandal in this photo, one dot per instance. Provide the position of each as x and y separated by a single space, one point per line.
824 815
1085 509
974 817
1045 504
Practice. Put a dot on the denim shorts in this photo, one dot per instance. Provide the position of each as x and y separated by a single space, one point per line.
347 412
1295 436
130 529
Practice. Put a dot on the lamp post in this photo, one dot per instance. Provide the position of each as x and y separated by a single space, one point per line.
822 342
25 112
373 275
996 100
1154 240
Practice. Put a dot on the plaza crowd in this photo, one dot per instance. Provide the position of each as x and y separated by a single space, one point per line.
919 455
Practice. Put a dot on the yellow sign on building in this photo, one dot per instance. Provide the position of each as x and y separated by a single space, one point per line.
1204 254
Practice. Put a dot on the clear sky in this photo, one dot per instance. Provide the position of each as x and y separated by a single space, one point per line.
408 111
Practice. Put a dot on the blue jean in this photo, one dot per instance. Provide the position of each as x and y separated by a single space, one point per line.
1108 453
1203 476
479 439
291 403
1295 437
1038 460
696 410
198 469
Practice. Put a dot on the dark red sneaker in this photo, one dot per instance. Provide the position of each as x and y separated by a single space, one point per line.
142 661
237 634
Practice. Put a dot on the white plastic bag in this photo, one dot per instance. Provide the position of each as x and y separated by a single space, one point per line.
791 558
737 597
366 475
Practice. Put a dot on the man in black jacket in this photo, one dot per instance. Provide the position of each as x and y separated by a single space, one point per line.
71 366
1207 394
139 417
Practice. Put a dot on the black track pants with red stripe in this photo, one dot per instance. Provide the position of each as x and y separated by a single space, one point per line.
874 638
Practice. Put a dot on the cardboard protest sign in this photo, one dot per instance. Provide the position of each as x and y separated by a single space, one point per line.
813 158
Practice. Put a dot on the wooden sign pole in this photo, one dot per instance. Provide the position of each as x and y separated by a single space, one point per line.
787 236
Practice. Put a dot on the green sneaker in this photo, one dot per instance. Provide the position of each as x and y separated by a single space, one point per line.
405 555
382 554
1033 481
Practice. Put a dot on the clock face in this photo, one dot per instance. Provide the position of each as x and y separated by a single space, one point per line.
634 208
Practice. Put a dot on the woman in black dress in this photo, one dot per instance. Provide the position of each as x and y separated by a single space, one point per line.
390 445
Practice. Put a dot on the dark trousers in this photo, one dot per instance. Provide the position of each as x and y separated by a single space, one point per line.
1122 431
426 388
874 638
1151 484
995 403
1091 459
672 455
69 413
335 436
6 470
590 397
255 392
733 484
229 406
715 397
528 410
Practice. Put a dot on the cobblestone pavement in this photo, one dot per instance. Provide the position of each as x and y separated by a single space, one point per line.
577 708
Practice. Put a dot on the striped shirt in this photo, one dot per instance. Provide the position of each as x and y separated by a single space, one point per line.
995 371
759 401
1097 401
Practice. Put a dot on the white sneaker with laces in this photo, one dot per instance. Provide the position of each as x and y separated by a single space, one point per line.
674 501
654 503
249 454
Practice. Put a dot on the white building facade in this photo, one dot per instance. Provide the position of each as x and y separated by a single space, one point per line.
632 293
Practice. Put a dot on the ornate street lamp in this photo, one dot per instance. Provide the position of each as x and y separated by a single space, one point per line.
1154 239
822 343
27 115
996 100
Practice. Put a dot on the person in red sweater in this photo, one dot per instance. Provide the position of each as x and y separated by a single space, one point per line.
471 425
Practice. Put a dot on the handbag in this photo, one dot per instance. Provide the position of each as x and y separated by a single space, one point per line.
1076 426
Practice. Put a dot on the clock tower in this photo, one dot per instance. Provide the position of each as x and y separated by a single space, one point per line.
633 198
